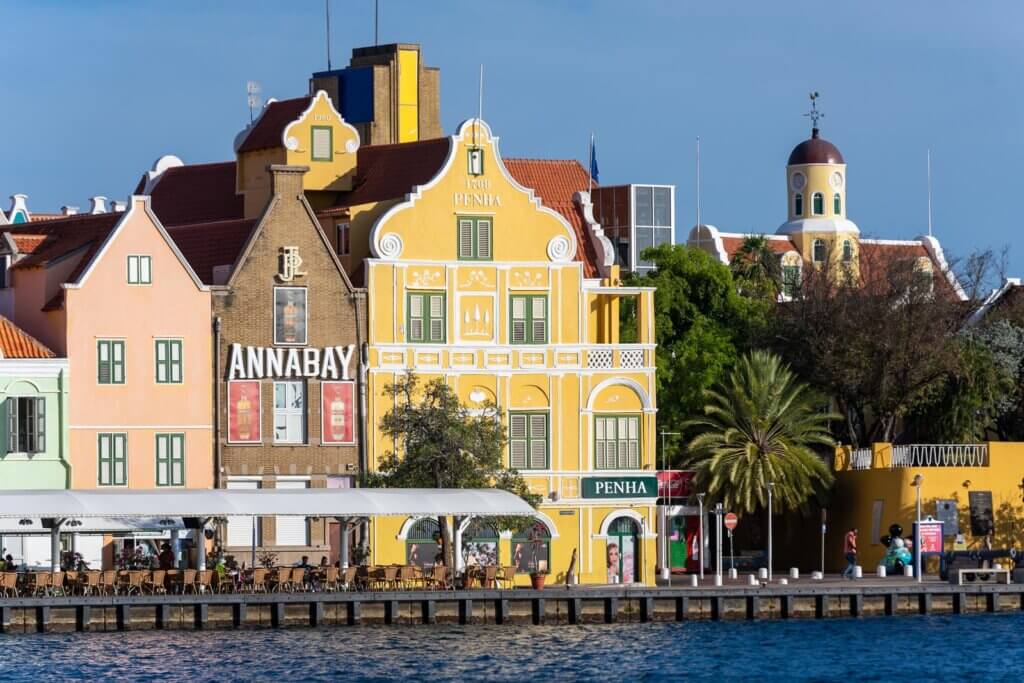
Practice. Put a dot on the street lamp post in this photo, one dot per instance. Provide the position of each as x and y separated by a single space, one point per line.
918 480
719 511
771 485
700 534
666 562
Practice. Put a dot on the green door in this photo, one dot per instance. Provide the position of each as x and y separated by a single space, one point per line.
623 551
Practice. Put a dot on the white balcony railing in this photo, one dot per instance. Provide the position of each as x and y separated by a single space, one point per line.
938 455
860 459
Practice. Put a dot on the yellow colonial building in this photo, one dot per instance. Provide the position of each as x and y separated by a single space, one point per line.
473 279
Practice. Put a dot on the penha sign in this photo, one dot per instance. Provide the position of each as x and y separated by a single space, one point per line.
620 487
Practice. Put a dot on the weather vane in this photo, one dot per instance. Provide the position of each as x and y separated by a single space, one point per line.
814 114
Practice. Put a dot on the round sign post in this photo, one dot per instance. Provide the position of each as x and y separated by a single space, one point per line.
731 520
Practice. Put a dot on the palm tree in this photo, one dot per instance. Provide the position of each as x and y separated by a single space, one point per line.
756 269
759 426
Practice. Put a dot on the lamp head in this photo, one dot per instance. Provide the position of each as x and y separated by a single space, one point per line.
917 480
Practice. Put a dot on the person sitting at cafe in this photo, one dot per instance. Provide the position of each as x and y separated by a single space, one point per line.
9 565
324 562
166 557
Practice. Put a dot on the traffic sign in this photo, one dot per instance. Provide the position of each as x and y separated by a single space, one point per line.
731 520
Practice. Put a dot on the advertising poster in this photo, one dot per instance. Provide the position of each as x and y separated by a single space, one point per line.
931 537
337 413
244 411
290 315
982 520
674 484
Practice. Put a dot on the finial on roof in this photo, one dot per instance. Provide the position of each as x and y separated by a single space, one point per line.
814 114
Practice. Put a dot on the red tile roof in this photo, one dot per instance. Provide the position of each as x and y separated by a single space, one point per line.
36 217
732 245
268 129
17 343
555 181
196 193
208 245
391 171
28 243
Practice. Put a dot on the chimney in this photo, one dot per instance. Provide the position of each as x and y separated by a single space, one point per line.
69 210
19 209
118 207
98 204
286 181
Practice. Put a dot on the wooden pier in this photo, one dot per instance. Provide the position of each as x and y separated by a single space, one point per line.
556 605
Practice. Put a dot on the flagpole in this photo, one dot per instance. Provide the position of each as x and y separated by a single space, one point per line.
698 191
590 169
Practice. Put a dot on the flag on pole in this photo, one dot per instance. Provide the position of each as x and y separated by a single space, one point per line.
593 160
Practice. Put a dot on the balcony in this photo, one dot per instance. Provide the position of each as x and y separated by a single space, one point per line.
887 456
611 357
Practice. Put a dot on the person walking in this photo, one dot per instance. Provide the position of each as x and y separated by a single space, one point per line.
850 552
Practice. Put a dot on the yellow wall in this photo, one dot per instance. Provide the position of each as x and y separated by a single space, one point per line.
408 95
572 377
857 490
818 176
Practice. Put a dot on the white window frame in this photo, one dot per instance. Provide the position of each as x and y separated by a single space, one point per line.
140 269
288 413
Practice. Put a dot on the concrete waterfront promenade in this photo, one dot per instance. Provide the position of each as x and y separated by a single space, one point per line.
805 598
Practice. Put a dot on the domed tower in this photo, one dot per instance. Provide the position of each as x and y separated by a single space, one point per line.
816 190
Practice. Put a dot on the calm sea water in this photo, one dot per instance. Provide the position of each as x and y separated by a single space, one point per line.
903 648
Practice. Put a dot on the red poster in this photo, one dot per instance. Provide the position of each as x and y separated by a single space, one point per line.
674 484
244 411
931 537
337 413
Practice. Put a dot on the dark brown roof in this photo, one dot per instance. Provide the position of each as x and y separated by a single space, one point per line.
268 130
555 181
816 150
208 245
17 343
391 171
195 193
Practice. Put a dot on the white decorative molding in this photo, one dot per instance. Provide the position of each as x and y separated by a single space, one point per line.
820 224
560 249
291 143
645 400
390 245
635 516
601 242
352 146
934 249
701 235
321 96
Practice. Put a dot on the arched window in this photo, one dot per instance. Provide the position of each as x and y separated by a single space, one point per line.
818 251
798 204
423 543
837 204
623 551
531 547
480 543
818 204
847 250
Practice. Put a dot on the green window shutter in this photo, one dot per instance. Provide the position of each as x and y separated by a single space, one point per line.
40 405
416 316
466 238
12 425
175 360
436 317
837 204
601 455
103 362
161 460
518 441
483 239
539 320
133 270
178 460
633 443
161 361
117 362
538 441
103 456
120 459
146 270
518 332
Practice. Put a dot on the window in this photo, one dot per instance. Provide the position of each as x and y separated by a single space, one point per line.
113 459
819 204
531 547
426 317
26 424
617 442
290 315
790 280
528 441
476 161
170 459
291 529
244 531
818 251
110 361
480 543
322 143
837 204
343 238
168 361
423 543
289 412
475 238
140 270
847 250
529 323
798 204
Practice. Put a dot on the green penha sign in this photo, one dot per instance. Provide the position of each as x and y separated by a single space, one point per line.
620 487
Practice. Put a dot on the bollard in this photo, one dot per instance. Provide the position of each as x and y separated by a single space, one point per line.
718 579
817 576
794 573
762 573
752 580
783 582
694 581
733 573
858 571
665 574
908 570
880 570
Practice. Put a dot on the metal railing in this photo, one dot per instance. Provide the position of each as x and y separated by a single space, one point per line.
860 459
940 455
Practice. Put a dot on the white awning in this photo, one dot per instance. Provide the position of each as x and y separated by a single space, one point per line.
10 526
163 503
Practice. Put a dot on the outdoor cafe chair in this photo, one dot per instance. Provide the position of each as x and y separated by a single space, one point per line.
155 582
391 577
109 582
280 580
188 581
72 582
438 578
57 584
90 583
40 582
224 583
259 580
9 584
507 576
408 576
490 576
349 580
203 580
133 582
332 579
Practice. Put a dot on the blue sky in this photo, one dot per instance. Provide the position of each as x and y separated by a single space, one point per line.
94 92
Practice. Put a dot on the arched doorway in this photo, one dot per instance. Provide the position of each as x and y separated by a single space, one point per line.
623 550
531 547
423 543
480 543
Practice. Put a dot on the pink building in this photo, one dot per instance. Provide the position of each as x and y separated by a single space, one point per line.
113 294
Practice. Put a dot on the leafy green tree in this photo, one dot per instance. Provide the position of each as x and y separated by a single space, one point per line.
756 269
439 443
761 425
702 324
